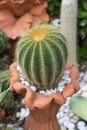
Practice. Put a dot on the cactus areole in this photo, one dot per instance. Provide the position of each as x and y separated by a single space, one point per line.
42 55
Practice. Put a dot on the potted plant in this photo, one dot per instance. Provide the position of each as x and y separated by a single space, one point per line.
41 57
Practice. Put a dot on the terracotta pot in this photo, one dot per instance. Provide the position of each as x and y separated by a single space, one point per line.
2 114
39 9
43 119
17 1
43 109
22 15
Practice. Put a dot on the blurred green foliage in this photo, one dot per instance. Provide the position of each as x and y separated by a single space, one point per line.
82 31
54 10
54 7
3 41
8 100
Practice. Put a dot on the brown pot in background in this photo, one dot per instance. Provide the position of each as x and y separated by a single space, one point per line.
43 109
2 114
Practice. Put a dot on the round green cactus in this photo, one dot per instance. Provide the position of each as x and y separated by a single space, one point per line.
42 54
3 41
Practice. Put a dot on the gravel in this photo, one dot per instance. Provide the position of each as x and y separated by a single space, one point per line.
67 119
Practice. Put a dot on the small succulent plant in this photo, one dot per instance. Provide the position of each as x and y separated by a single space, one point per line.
42 55
6 97
3 40
4 79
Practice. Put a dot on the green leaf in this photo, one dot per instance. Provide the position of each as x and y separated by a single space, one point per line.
49 1
82 31
85 5
86 29
8 101
3 94
83 22
56 2
5 79
52 13
79 106
82 14
51 7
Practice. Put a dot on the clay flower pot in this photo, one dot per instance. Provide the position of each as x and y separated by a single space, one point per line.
2 114
22 15
43 109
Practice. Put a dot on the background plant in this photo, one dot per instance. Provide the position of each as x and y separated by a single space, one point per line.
54 7
82 31
8 101
54 11
3 41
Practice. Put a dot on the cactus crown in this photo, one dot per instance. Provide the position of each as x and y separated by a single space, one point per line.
42 54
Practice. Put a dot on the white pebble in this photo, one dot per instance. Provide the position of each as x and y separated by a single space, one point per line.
65 76
20 128
2 125
84 94
68 81
26 83
41 91
81 75
62 108
52 91
33 88
56 22
10 125
80 123
24 112
66 110
61 84
23 82
22 101
22 79
18 114
82 83
58 116
22 76
70 126
60 89
61 114
71 114
71 129
66 123
66 118
55 90
82 128
66 72
84 88
85 77
48 92
61 121
73 120
18 68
